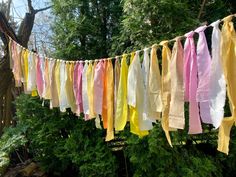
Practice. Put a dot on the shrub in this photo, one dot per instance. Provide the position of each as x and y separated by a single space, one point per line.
62 143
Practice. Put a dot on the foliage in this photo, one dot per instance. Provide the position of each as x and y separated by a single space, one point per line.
83 28
11 140
62 142
147 22
152 156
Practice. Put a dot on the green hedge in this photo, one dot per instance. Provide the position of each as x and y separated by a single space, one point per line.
66 145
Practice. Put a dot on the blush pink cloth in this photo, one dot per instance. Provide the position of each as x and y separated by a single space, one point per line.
98 87
39 76
77 87
204 67
190 76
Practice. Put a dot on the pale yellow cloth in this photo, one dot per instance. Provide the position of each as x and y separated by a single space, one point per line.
54 102
69 86
154 86
133 97
46 89
166 59
228 55
116 82
57 82
90 89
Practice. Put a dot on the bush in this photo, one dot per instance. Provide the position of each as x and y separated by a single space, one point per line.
62 143
12 140
66 145
152 156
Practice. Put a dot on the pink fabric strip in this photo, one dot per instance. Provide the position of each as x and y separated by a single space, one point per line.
190 72
39 77
77 84
204 66
98 87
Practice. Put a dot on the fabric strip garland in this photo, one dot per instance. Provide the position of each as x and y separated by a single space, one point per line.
134 90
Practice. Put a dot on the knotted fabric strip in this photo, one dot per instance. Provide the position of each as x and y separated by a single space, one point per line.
165 82
69 86
109 79
135 100
39 76
77 85
85 98
190 76
176 114
90 89
98 87
121 114
228 56
217 84
148 113
204 66
154 85
63 98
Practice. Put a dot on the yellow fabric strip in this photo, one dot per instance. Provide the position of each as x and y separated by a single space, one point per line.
228 56
121 102
110 99
133 111
69 86
57 79
24 64
154 85
166 59
90 89
46 91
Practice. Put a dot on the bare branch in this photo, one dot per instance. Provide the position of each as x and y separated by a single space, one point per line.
5 29
8 9
30 6
39 10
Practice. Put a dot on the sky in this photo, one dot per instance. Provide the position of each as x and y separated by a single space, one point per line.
19 7
41 32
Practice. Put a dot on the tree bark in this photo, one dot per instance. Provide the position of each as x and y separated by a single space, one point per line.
6 79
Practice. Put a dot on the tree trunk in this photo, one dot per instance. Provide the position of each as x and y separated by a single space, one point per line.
6 80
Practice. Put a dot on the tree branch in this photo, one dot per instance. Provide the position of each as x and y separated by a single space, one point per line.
201 9
5 29
39 10
31 9
8 9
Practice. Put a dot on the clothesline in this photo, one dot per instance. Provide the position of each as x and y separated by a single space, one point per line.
109 58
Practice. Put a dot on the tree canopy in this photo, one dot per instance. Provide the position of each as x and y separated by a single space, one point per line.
84 28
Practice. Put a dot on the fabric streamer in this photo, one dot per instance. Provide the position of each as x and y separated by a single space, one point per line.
190 66
135 98
203 66
228 56
154 86
217 84
77 85
176 114
121 114
165 83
